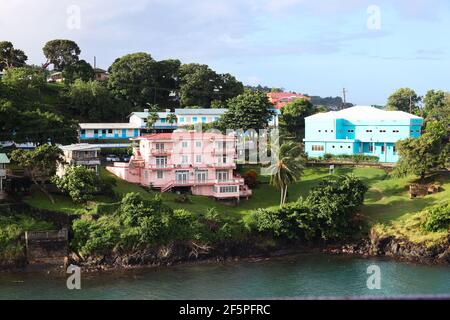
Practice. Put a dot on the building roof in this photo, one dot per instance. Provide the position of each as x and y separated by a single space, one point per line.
204 111
4 158
108 126
188 135
79 147
184 112
280 99
364 113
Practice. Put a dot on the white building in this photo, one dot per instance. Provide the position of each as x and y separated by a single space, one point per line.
79 154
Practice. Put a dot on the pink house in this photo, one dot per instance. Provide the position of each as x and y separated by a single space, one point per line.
201 162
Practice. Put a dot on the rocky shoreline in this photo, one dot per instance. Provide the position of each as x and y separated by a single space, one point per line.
182 253
397 248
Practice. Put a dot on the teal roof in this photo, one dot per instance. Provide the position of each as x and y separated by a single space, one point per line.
3 158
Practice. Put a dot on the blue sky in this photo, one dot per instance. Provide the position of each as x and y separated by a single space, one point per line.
315 47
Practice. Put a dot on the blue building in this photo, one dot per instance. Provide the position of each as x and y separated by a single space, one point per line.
359 130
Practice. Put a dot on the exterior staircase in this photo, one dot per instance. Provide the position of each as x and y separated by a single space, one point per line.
167 186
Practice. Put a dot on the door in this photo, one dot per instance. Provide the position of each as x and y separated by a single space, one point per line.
201 176
182 177
222 175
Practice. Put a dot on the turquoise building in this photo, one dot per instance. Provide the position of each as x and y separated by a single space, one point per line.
360 130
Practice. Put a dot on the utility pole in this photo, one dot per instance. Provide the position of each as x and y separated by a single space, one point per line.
410 104
95 62
344 91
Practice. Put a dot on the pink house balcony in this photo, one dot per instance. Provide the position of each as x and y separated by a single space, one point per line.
161 152
223 151
222 165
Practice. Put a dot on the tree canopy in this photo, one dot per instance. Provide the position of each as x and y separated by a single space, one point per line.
61 53
292 120
249 110
404 99
11 57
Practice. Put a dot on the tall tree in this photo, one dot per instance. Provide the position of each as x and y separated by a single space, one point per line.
419 156
404 99
79 70
60 53
293 115
11 57
152 119
198 85
171 118
40 164
229 87
436 105
250 110
287 169
131 78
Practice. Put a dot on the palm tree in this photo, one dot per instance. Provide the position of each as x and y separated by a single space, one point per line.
288 168
151 119
171 118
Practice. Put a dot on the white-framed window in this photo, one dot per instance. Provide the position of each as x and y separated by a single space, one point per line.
198 144
184 144
146 174
198 158
159 146
184 159
159 174
161 162
226 189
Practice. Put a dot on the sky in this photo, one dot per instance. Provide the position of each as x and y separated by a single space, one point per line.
315 47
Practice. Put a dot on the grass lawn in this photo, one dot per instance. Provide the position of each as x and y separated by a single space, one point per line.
387 200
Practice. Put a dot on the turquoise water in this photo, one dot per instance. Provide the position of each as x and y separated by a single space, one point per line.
300 276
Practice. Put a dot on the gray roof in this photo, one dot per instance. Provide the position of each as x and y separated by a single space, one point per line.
80 147
209 111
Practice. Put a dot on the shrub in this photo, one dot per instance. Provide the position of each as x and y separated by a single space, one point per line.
327 156
182 198
437 218
79 182
251 178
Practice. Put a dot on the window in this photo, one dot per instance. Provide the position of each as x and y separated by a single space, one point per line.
216 118
184 159
320 130
146 175
382 131
394 149
203 119
368 130
96 131
104 131
332 130
161 162
198 144
159 174
163 120
349 147
83 131
222 175
341 147
350 130
326 130
228 189
109 130
333 147
382 149
159 146
194 119
181 120
184 144
198 158
396 131
370 148
317 147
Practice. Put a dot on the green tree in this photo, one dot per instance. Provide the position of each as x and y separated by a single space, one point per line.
11 57
198 85
287 169
152 119
91 101
420 156
79 182
61 53
404 99
333 204
131 78
250 110
39 164
436 105
293 115
25 79
79 70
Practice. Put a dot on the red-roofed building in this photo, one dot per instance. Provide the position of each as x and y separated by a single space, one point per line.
280 99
